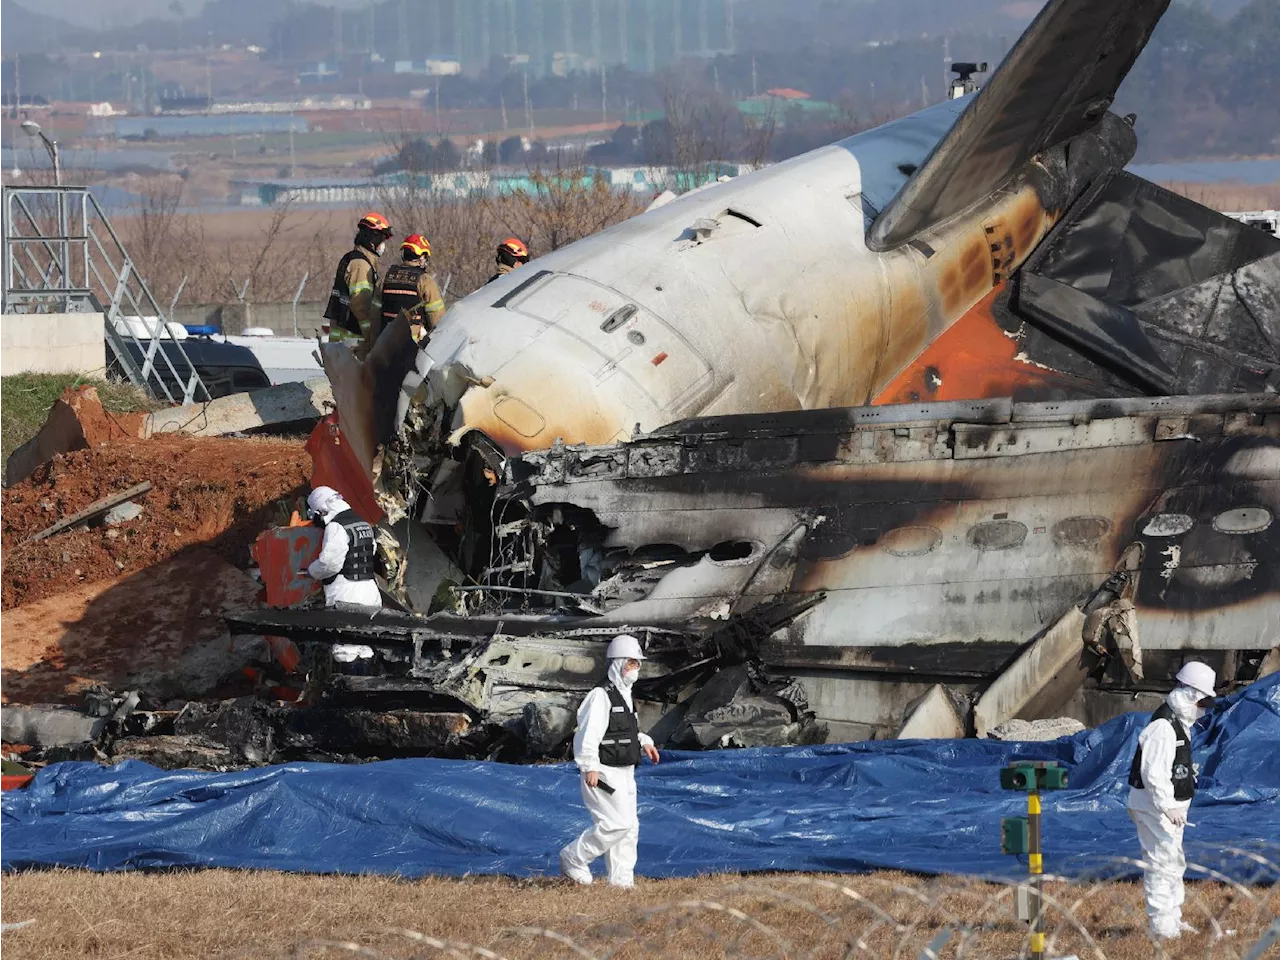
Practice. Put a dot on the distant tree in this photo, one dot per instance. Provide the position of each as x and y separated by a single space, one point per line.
446 155
565 204
511 150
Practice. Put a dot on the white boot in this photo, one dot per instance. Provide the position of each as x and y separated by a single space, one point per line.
574 871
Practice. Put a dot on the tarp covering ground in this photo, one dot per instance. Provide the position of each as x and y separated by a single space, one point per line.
924 806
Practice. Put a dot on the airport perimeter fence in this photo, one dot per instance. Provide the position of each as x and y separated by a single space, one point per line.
1233 901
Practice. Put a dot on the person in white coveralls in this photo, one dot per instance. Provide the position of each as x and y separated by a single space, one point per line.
607 747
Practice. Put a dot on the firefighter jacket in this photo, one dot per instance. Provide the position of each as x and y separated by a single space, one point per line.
411 288
351 309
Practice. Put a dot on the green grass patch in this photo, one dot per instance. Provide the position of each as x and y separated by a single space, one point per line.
25 400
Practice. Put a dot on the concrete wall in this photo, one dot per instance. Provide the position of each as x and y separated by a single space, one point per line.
235 317
52 343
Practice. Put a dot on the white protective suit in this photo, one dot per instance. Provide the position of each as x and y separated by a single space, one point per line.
1160 818
615 830
327 503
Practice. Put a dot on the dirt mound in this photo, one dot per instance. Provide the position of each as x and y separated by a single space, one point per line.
220 493
158 632
77 420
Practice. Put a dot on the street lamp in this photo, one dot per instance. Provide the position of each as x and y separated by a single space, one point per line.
32 129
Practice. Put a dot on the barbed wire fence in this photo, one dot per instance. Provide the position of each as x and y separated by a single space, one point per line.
1233 901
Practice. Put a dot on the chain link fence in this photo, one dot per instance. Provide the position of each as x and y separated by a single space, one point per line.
1233 901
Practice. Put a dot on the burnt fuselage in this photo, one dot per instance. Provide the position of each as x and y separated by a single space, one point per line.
940 538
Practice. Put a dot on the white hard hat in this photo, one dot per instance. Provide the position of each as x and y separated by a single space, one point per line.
320 498
1198 676
624 647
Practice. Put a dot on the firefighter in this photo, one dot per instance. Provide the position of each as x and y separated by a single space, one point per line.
512 253
409 287
352 311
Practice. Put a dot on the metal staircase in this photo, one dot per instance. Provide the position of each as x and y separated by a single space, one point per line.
61 255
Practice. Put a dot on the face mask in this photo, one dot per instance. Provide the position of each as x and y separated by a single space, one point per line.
631 676
382 247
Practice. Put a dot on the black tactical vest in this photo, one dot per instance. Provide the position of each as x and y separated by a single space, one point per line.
400 292
1184 777
620 745
360 548
339 308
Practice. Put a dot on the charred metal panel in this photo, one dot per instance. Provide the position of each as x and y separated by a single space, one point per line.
1075 480
1157 289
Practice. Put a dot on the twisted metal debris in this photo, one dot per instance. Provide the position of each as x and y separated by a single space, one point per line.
1233 900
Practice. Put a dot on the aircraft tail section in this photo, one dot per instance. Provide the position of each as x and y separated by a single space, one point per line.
1057 82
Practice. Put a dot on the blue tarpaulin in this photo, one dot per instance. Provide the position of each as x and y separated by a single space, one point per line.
930 806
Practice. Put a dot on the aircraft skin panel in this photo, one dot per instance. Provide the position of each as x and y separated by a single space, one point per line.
766 281
792 313
921 531
977 357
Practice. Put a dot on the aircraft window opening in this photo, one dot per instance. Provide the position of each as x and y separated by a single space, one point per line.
742 216
619 317
731 550
1243 520
998 535
506 298
1168 525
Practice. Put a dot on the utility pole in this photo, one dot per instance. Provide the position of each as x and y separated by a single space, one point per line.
597 46
604 94
528 107
650 39
755 90
458 38
567 24
624 41
293 169
439 128
946 62
404 30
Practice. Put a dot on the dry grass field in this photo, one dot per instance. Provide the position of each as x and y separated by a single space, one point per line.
221 913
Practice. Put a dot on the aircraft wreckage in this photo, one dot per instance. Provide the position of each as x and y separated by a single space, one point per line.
950 423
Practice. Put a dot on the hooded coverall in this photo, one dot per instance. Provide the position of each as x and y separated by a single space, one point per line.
615 831
1160 818
340 591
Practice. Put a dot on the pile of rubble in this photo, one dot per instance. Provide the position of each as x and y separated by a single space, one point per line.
121 556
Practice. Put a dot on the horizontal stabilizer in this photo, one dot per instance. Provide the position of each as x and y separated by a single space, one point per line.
1057 82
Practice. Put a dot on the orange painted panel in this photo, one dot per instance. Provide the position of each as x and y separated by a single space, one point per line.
974 359
334 464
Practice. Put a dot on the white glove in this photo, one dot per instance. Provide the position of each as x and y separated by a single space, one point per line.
1177 817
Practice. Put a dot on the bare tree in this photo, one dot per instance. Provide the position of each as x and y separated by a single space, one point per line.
565 203
152 235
